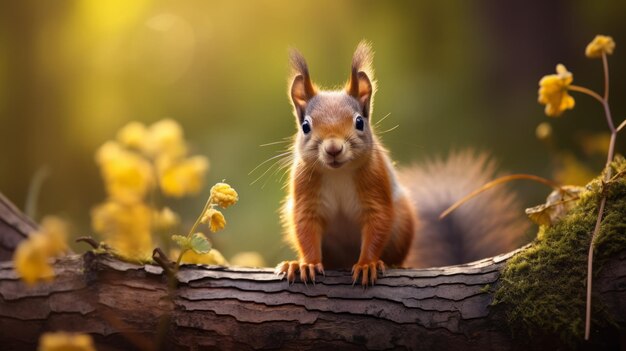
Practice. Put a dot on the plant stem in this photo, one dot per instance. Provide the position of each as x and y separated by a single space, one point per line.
206 207
34 188
589 92
180 258
605 65
607 176
495 182
193 229
590 269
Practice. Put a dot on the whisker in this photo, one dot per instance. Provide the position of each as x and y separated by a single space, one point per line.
301 171
305 168
312 170
382 119
287 170
268 160
389 130
266 171
286 163
275 143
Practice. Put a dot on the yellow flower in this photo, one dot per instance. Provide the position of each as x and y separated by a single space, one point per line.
212 257
186 177
215 219
65 342
133 135
108 152
31 258
166 137
223 195
553 91
126 228
601 44
165 162
55 230
127 175
165 219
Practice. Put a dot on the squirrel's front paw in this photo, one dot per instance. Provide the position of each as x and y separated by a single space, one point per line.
307 270
368 271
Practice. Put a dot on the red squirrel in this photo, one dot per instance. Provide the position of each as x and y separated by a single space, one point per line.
348 206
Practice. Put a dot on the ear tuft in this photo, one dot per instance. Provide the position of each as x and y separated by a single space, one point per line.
302 89
298 63
362 84
362 59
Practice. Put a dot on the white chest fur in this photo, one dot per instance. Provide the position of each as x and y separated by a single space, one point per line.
339 197
341 209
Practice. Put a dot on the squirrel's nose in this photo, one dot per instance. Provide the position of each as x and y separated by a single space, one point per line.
333 150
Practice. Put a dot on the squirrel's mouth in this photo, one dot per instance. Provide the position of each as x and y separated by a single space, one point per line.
334 164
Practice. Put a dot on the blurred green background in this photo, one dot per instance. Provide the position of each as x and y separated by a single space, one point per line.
451 74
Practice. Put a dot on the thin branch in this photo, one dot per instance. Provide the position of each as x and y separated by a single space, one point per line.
496 182
89 240
617 175
161 258
607 167
621 126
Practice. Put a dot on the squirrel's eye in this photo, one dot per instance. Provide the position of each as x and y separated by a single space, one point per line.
359 124
306 126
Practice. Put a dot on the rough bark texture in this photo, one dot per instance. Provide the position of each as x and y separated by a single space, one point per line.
127 306
123 306
14 227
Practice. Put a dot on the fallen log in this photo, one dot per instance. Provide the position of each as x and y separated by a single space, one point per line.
14 227
128 306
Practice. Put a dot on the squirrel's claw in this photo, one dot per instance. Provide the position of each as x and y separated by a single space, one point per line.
281 267
291 272
303 275
368 272
307 271
320 269
312 273
381 266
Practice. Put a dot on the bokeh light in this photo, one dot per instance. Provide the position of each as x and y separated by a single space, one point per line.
452 75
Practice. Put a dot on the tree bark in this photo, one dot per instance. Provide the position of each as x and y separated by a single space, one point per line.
128 306
14 227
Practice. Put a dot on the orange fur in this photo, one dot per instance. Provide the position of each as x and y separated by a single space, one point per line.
345 206
308 224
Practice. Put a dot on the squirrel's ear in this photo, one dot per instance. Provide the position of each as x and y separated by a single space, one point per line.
302 89
362 85
362 90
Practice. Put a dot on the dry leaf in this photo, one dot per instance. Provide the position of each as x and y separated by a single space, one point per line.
557 205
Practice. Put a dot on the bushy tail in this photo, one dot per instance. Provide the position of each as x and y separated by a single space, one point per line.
487 225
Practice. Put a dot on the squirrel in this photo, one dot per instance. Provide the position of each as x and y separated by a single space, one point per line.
348 206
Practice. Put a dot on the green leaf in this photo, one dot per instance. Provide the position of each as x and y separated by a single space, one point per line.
182 241
199 243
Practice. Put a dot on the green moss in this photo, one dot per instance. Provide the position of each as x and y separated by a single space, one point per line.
543 288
